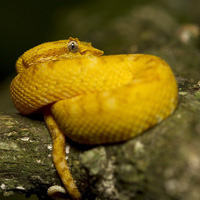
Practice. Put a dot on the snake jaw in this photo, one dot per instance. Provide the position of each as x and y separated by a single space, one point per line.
91 52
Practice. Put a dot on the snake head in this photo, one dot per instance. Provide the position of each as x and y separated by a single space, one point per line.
82 48
52 51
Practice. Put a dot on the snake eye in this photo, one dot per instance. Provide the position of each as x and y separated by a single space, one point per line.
72 46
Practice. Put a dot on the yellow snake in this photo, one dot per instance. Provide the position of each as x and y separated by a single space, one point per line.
93 99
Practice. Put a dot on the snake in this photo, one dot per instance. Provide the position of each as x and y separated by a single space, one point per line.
91 98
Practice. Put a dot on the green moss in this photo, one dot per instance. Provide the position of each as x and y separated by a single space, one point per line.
197 95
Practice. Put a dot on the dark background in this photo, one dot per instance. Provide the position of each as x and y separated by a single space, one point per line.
115 26
25 24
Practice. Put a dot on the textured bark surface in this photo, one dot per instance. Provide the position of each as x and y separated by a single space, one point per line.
162 163
25 161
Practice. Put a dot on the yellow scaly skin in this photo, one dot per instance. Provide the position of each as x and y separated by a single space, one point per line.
93 99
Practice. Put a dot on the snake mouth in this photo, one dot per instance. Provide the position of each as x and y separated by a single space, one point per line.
91 52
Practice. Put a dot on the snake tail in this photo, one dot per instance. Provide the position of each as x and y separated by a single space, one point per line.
59 155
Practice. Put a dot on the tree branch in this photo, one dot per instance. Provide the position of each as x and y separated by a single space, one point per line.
162 163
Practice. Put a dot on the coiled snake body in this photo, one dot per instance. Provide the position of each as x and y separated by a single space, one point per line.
93 99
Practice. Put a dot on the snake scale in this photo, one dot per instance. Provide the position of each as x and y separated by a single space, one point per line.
91 98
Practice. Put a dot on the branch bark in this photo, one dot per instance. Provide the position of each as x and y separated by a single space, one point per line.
162 163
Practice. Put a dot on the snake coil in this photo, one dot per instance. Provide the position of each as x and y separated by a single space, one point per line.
93 99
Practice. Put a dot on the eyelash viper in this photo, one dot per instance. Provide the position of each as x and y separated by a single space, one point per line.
93 99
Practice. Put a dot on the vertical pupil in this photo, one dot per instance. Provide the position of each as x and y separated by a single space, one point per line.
72 47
